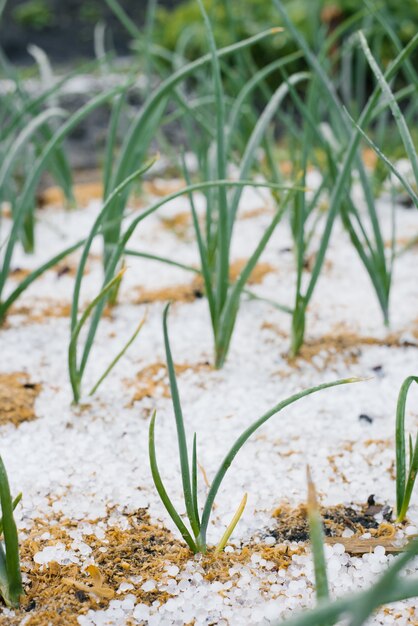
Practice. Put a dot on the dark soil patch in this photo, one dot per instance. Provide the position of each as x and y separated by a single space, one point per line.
292 524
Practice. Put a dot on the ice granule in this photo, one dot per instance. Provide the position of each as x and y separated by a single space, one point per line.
150 585
125 587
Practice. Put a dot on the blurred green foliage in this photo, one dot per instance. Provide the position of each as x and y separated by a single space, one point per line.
236 19
33 14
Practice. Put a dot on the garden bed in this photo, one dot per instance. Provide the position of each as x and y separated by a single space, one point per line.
97 544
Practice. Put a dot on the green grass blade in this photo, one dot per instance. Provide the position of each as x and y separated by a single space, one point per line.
408 68
14 148
338 192
375 265
410 481
117 357
32 105
194 480
93 232
109 157
4 579
280 307
351 152
222 269
250 86
162 491
124 19
256 138
120 247
162 259
203 252
186 191
316 534
14 578
74 372
116 209
411 450
14 504
394 107
309 55
190 268
393 169
227 322
181 433
401 466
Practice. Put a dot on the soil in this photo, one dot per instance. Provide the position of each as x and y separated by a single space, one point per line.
144 552
195 289
57 594
17 398
366 531
339 343
47 311
292 524
152 380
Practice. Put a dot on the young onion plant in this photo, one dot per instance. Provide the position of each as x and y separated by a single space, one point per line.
195 536
120 173
92 315
406 473
24 203
216 145
10 577
111 218
391 100
27 123
214 243
343 157
143 129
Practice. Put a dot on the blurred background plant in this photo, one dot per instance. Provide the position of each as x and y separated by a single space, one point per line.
46 22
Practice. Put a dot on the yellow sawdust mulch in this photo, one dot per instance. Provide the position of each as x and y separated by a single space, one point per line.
17 398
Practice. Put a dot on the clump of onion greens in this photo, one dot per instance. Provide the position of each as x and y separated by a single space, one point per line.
10 576
195 537
343 158
24 203
406 473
